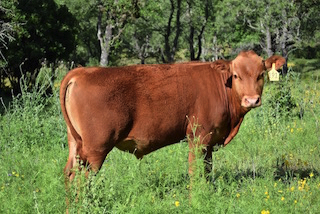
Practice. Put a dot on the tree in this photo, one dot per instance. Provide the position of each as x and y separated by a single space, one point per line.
112 19
6 35
281 24
157 31
198 16
139 36
277 25
87 50
171 48
46 33
288 33
6 31
230 30
309 16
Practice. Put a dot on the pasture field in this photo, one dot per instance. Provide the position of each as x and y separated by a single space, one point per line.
272 165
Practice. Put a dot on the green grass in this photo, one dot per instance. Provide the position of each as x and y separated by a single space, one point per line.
272 164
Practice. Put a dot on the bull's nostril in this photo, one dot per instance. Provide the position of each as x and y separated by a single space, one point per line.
258 101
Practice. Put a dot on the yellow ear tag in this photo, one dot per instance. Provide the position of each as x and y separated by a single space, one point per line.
273 73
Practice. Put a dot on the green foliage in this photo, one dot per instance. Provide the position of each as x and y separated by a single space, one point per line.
231 27
31 137
85 12
280 100
45 32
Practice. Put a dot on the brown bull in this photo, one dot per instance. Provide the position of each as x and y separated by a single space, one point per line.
142 108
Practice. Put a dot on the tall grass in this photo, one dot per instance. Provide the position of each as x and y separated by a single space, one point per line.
272 165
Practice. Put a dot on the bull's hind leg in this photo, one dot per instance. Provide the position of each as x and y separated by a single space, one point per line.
95 147
95 159
84 155
71 166
72 161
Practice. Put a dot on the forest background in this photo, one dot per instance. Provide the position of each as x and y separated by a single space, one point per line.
35 33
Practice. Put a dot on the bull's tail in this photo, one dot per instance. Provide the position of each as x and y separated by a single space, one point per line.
65 83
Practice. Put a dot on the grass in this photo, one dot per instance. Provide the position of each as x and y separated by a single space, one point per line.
272 165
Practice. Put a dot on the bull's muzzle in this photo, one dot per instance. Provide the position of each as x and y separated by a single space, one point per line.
251 101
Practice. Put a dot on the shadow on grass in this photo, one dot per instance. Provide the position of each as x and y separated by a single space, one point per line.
283 170
286 170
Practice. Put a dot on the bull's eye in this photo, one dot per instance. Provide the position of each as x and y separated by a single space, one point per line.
235 76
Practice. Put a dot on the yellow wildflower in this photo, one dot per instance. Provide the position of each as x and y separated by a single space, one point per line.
282 198
311 175
292 189
295 201
280 191
266 193
275 184
238 195
265 212
177 203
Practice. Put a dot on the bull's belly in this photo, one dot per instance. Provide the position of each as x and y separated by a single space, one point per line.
140 147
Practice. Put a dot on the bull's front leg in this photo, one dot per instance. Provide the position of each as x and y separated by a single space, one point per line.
199 150
208 160
199 145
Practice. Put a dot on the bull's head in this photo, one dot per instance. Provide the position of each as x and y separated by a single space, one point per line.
247 71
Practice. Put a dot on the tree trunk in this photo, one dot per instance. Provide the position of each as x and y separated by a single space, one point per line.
105 46
215 48
115 23
283 43
268 42
192 32
191 43
284 52
178 30
167 56
104 38
200 42
169 52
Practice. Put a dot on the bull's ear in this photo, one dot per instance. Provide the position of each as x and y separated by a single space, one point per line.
220 65
278 60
